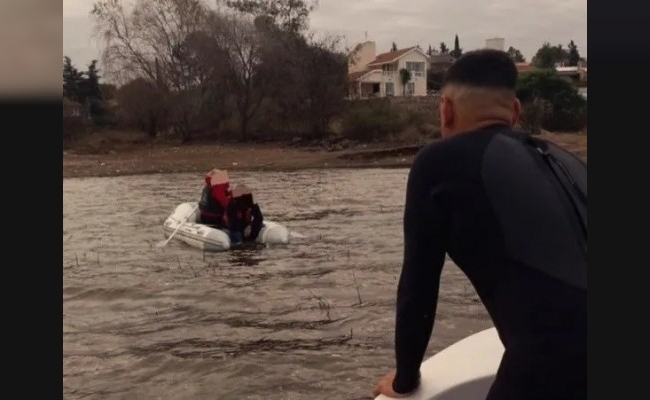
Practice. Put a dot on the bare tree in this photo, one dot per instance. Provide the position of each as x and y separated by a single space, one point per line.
141 106
149 42
145 42
209 54
203 64
288 15
327 83
247 84
320 77
309 80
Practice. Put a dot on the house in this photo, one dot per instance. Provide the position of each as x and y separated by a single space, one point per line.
74 120
524 67
375 75
496 44
582 73
72 108
577 73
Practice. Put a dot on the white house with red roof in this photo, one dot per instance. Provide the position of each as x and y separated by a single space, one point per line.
377 75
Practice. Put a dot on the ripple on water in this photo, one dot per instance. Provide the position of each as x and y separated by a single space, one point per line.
310 320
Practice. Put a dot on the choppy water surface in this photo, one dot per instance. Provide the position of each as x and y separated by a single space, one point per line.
311 320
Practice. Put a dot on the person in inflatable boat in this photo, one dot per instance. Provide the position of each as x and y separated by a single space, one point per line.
214 199
245 217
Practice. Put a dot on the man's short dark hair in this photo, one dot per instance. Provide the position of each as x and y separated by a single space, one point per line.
484 68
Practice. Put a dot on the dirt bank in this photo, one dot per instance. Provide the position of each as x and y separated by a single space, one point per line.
140 157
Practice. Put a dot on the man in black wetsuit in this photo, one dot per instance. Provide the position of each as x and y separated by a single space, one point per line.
511 212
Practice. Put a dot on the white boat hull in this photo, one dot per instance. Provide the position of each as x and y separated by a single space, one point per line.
211 239
463 371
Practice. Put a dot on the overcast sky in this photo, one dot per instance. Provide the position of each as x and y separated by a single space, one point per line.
523 24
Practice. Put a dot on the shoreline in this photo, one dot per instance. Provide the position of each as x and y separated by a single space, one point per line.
144 158
186 160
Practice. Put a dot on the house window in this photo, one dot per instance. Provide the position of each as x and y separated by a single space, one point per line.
388 69
389 88
410 88
415 68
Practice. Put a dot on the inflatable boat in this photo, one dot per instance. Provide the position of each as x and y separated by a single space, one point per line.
208 238
463 371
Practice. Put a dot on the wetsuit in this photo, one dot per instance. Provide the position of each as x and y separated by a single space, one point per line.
495 205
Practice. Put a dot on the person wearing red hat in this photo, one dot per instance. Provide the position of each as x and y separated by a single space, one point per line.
214 199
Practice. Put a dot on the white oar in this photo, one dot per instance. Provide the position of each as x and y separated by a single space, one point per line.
164 242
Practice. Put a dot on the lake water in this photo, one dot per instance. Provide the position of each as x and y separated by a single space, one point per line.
309 320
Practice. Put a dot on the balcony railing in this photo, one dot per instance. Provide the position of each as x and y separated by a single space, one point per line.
392 74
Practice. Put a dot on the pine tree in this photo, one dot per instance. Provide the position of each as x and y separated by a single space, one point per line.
72 80
91 91
574 55
516 55
457 51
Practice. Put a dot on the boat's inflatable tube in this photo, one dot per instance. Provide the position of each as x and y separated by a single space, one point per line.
210 239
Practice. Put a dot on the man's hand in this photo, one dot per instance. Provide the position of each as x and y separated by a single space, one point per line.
385 387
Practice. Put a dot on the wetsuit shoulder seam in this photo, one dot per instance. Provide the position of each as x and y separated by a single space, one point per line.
484 192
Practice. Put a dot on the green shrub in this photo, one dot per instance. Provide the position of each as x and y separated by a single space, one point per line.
373 120
550 101
73 128
426 123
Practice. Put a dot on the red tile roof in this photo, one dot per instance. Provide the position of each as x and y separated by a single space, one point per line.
523 67
391 56
356 75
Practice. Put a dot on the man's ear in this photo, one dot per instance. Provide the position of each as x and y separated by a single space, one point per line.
446 112
516 112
